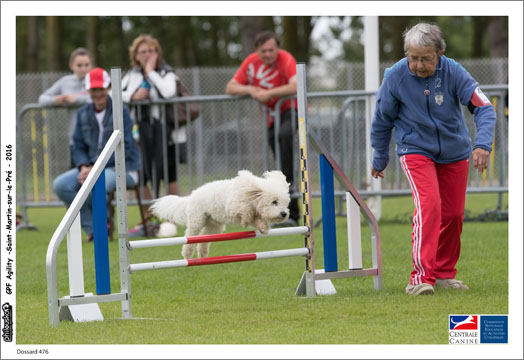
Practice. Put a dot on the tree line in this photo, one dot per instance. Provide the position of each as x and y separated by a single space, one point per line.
43 43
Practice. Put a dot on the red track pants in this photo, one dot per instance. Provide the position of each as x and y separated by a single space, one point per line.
439 195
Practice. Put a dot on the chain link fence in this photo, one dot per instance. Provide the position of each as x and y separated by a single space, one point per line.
230 133
322 76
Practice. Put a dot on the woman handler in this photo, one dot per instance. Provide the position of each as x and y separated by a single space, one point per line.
420 98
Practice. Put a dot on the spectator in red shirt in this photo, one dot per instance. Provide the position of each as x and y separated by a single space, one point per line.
267 75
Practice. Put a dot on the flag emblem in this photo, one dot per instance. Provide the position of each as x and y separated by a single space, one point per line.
463 322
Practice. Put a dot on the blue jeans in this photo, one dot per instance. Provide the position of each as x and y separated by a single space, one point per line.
66 186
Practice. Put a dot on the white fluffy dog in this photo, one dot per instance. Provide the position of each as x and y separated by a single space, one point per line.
247 200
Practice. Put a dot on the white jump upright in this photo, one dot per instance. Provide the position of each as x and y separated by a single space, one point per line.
317 281
354 236
81 306
121 194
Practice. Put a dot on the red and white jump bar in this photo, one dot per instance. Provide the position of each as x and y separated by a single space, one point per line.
218 259
217 237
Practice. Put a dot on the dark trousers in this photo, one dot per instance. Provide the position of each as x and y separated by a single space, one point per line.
287 152
71 162
152 139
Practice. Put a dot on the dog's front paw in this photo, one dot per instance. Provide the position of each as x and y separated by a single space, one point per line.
263 227
247 219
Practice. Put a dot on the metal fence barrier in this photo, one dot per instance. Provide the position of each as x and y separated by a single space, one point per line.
230 134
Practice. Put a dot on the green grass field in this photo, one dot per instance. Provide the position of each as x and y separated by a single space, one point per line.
255 302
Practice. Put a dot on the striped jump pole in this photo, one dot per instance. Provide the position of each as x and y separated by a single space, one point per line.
219 259
216 237
307 284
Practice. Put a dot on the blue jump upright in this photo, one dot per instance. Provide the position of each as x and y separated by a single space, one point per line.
98 195
328 215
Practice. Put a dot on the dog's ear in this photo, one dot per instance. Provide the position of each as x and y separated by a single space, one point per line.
248 185
243 197
276 175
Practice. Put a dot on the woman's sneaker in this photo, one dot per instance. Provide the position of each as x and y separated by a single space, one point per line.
420 289
451 284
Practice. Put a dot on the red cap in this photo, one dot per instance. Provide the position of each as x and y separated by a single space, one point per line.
97 78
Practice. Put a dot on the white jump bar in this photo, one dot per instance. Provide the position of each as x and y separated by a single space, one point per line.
217 237
218 259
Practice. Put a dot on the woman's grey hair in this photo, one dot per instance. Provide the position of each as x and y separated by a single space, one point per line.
422 35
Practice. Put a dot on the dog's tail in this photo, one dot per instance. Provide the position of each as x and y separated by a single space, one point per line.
172 208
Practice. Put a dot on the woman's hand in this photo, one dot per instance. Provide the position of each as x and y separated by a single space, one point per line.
376 174
480 159
140 94
151 63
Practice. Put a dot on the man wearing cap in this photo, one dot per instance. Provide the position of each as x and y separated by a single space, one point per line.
94 126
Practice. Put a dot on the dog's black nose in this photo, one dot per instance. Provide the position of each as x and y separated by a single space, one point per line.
283 214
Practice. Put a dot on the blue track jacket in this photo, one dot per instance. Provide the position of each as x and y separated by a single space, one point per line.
427 116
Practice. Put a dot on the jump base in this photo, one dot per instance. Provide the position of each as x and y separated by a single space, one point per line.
80 312
322 287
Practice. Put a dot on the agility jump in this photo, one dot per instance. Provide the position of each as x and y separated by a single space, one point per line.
216 238
81 306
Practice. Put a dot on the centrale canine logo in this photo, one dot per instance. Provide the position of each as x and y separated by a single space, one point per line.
463 322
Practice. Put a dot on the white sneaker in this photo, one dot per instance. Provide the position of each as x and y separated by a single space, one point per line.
451 284
420 289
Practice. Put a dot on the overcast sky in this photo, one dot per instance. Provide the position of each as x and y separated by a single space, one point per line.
321 35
